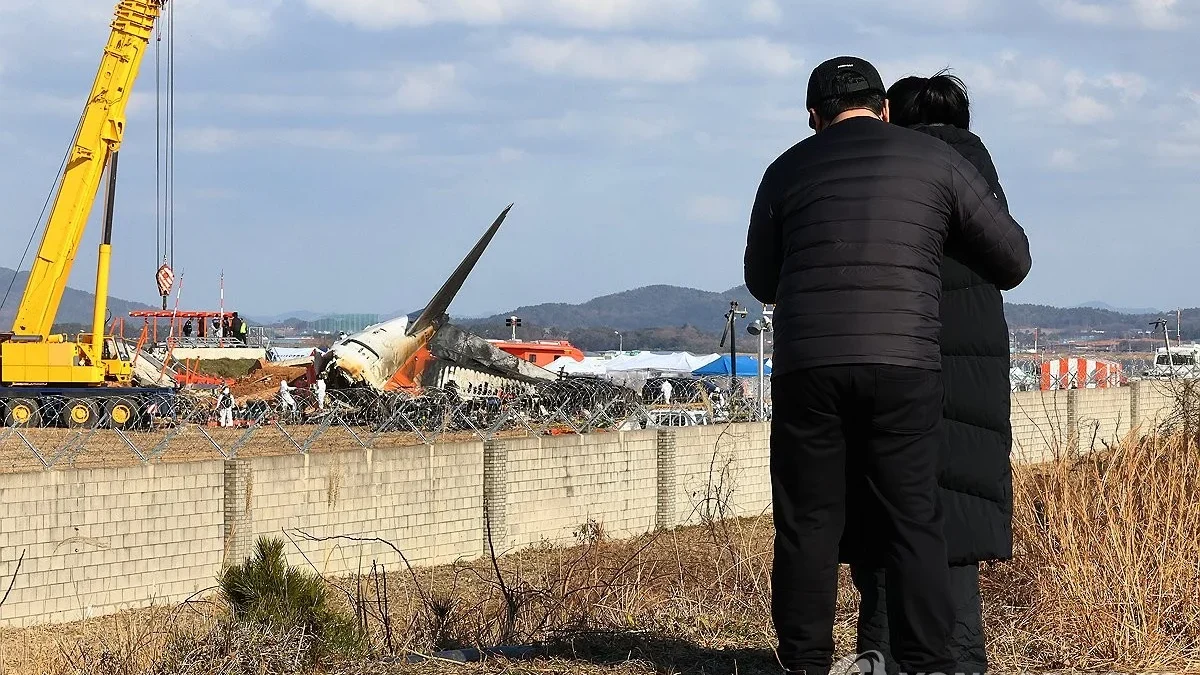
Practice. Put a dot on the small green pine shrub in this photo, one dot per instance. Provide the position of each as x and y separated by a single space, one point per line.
265 590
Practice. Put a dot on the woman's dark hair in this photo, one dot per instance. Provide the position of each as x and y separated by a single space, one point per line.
941 99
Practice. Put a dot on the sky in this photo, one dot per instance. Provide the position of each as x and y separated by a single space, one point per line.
343 155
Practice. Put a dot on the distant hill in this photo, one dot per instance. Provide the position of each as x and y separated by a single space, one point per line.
646 307
1093 319
283 317
76 307
1096 304
671 317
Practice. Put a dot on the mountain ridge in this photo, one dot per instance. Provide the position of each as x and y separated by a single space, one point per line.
76 306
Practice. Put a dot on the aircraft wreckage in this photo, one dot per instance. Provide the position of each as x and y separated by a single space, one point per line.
399 354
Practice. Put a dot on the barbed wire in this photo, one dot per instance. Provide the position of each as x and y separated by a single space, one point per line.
192 424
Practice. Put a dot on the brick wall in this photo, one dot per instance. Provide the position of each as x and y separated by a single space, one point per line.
101 540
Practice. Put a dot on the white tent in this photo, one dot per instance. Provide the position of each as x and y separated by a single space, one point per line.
678 362
590 365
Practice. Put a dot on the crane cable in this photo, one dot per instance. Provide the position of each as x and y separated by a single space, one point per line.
164 154
164 142
170 213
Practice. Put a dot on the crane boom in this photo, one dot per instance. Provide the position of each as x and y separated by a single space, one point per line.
98 138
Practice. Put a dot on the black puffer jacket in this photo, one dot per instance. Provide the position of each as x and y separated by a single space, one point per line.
847 236
975 474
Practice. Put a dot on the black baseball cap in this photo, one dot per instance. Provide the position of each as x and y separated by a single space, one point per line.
840 76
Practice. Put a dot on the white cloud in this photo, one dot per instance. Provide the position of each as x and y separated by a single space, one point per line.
620 59
1157 14
764 11
591 14
641 130
227 24
713 210
1086 110
1130 86
1084 12
222 139
1064 160
647 61
213 23
427 88
510 155
1149 14
761 55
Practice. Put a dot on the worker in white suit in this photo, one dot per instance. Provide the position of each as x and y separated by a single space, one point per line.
320 393
285 396
225 408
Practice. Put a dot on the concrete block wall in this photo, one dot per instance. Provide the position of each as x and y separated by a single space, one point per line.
1041 421
722 471
104 540
99 541
426 500
1102 421
557 484
1153 402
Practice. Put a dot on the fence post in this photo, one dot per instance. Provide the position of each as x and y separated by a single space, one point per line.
495 497
239 522
1135 396
1072 439
664 516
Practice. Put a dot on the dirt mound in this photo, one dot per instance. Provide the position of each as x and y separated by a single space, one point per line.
263 383
230 368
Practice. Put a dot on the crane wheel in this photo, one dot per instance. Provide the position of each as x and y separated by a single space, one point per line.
22 412
80 413
122 413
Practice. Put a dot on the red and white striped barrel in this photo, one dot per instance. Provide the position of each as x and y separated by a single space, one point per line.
1078 373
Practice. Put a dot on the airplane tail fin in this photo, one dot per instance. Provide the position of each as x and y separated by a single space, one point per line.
441 300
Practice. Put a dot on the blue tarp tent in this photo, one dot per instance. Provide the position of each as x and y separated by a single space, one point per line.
747 366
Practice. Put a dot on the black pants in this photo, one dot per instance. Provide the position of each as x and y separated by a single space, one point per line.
967 646
885 420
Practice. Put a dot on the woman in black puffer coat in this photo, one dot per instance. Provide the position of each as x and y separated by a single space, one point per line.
974 473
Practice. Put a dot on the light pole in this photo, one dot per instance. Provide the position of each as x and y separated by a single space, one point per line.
620 340
731 318
513 322
761 327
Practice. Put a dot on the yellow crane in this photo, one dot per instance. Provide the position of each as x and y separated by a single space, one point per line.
87 379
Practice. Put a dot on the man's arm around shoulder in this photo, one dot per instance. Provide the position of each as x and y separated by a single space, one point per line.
991 242
764 245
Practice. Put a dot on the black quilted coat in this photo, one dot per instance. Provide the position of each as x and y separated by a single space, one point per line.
975 474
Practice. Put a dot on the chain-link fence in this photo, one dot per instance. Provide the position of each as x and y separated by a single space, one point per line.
56 432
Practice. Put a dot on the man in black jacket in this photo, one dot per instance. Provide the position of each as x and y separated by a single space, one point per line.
846 238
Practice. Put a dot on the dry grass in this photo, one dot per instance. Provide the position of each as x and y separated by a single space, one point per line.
1108 566
1107 578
